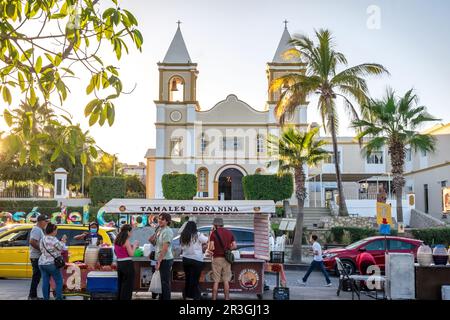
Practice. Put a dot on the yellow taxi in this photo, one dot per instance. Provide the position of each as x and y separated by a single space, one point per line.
14 246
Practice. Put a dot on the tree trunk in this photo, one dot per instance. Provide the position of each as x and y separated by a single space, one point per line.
397 151
342 205
296 255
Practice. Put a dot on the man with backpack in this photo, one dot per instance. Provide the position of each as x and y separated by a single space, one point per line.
221 242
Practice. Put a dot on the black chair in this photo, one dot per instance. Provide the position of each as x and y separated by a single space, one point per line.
344 276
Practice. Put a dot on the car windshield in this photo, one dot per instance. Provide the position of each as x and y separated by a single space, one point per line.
356 244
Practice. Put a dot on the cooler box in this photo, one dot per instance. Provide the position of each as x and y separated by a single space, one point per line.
445 292
102 282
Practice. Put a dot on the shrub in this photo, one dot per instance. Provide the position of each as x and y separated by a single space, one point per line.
19 204
347 235
103 189
134 184
432 236
268 187
279 212
178 186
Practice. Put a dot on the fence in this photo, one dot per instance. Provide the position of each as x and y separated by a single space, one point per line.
39 192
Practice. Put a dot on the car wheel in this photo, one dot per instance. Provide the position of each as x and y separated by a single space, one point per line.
349 266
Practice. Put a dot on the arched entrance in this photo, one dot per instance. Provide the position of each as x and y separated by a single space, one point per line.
230 185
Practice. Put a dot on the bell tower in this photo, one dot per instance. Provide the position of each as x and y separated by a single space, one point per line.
175 112
177 74
282 65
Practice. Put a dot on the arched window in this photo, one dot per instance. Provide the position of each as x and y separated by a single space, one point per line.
202 182
176 89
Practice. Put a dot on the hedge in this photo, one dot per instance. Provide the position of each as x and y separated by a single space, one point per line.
268 187
102 189
19 204
178 186
433 236
347 235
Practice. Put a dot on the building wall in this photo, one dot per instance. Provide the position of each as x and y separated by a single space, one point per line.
433 178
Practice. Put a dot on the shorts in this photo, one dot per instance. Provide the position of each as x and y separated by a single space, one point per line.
221 270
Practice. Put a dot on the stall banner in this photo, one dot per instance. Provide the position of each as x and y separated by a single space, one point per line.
446 200
142 206
384 212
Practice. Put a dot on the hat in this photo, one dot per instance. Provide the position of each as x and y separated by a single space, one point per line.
218 222
42 217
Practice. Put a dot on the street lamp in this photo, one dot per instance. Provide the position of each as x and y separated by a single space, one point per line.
114 164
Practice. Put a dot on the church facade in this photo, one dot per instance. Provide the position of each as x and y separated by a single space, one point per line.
219 145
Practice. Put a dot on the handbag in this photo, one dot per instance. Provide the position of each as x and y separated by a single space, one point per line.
59 260
155 284
229 256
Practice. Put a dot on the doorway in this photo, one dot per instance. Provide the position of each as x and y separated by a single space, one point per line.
230 185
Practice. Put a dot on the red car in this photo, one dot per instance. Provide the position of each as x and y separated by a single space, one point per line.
373 245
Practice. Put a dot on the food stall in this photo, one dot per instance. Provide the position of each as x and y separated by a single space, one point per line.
248 271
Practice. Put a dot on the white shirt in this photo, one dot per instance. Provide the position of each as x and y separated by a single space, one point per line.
194 250
316 247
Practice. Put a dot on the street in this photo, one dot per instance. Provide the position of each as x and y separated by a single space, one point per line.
17 289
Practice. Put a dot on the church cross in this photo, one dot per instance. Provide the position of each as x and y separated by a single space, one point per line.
285 23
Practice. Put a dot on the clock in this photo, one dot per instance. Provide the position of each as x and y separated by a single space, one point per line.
175 116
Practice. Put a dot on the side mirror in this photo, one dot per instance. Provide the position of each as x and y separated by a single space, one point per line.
362 249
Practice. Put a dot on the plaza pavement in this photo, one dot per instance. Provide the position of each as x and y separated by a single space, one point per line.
17 289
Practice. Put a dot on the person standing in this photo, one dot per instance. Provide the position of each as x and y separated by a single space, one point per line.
125 267
51 248
164 255
92 237
317 262
220 240
192 247
36 234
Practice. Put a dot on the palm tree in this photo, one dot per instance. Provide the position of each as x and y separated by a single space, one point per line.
293 150
321 78
393 122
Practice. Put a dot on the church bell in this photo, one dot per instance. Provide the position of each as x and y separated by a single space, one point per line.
174 85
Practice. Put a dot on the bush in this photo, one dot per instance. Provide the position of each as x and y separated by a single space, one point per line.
432 236
103 189
279 212
347 235
19 204
268 187
134 184
178 186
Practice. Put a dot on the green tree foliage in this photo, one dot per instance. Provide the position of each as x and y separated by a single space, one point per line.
134 184
178 186
393 122
103 189
41 44
268 187
327 77
290 153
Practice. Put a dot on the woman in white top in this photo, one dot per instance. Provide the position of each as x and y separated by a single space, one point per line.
51 248
192 247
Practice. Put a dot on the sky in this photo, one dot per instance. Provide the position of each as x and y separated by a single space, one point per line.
232 40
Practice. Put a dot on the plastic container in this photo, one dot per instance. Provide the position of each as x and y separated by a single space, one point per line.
91 256
424 256
105 256
277 256
440 255
102 282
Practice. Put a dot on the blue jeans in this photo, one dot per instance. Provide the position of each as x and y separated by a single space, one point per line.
47 271
313 265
